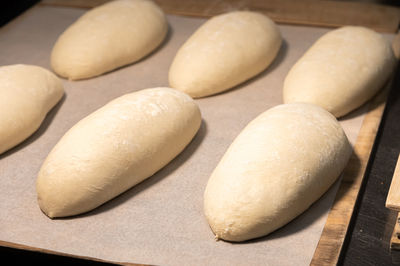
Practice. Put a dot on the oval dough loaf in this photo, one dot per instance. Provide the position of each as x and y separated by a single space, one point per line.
224 52
114 148
281 163
27 93
107 37
341 71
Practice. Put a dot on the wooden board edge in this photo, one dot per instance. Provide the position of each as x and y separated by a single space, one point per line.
326 252
393 197
395 238
337 224
327 13
23 247
393 207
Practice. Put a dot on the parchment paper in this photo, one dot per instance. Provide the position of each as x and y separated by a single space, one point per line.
160 221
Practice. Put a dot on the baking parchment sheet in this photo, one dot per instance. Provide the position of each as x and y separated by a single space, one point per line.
160 221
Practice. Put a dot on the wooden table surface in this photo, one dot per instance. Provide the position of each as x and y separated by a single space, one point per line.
367 241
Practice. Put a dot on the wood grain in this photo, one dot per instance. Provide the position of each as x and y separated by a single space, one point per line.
393 198
306 12
395 239
393 203
337 224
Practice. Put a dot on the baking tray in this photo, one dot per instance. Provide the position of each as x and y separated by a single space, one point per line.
29 39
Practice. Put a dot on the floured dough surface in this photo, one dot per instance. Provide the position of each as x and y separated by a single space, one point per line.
225 51
281 163
341 71
114 148
107 37
27 93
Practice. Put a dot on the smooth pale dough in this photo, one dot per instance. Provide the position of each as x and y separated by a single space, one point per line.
107 37
114 148
341 71
27 93
225 51
281 163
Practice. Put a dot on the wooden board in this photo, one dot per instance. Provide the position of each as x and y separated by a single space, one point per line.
306 12
393 198
333 236
368 239
393 203
395 239
334 233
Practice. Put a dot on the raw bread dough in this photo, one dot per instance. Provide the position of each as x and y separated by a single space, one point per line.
224 52
27 93
114 148
107 37
281 163
341 71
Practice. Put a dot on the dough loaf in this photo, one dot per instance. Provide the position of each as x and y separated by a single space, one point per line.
107 37
281 163
224 52
341 71
27 93
114 148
